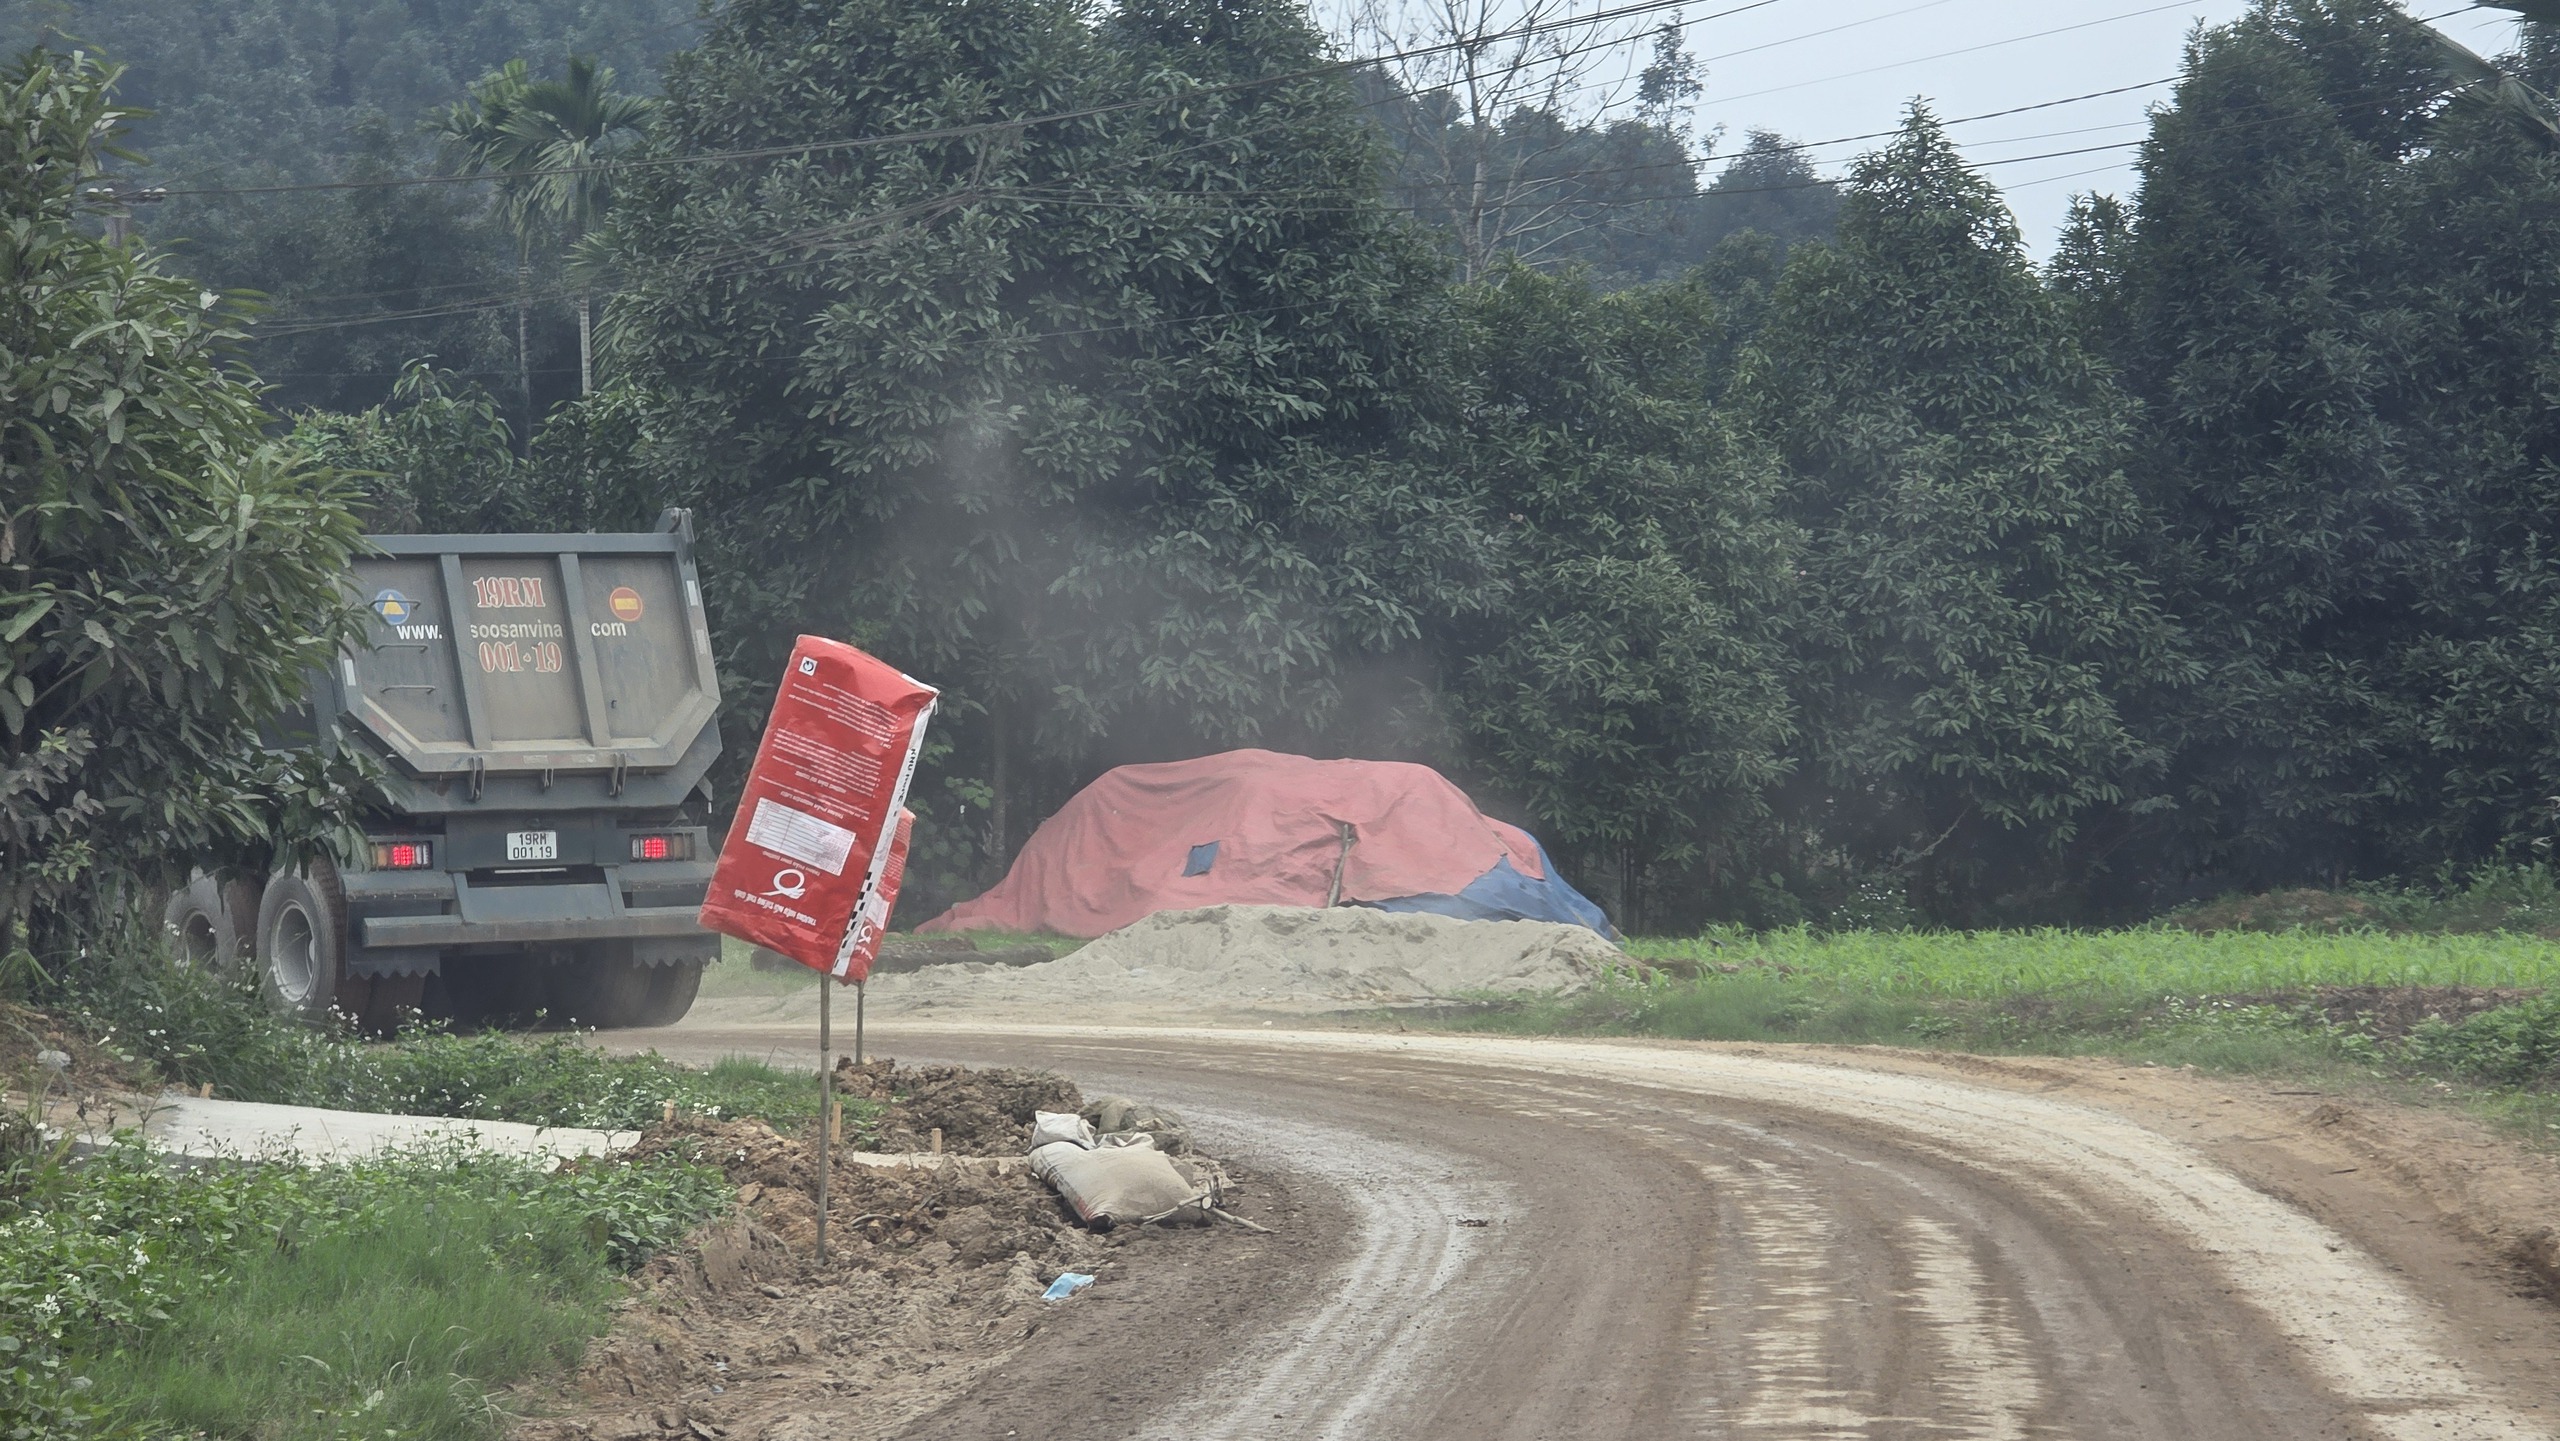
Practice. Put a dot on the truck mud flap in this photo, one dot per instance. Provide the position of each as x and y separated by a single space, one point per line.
638 923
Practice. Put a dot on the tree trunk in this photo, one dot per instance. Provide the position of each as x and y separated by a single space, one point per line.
586 345
999 780
1630 890
524 357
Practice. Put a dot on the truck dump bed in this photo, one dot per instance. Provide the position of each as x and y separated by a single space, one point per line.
530 655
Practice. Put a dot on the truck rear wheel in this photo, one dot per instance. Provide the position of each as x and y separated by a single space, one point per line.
605 991
209 924
672 988
301 948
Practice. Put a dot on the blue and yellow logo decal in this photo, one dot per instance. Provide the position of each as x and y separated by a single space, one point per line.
393 607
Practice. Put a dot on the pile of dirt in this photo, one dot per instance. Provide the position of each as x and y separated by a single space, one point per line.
1289 958
2387 1013
27 1033
934 1276
2390 1012
2323 912
979 1112
984 1209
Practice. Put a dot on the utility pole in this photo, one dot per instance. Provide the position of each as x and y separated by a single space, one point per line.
116 203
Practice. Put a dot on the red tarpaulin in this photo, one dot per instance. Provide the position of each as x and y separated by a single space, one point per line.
1247 827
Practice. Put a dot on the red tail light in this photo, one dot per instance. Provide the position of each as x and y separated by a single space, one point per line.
662 848
403 855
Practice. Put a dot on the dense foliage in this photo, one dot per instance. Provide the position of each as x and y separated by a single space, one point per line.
1979 626
1630 690
1118 370
1087 420
255 93
171 571
387 1297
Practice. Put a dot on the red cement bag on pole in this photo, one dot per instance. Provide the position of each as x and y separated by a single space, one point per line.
871 918
809 865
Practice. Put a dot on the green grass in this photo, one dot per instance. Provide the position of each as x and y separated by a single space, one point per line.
190 1029
382 1299
1986 965
2231 1002
564 1081
1050 941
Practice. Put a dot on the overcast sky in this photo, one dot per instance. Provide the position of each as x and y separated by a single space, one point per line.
1768 69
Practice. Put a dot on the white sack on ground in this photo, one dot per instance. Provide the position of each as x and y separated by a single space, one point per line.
1119 1186
1067 1126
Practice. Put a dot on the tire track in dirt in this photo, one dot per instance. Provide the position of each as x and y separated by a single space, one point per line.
1696 1242
1345 1367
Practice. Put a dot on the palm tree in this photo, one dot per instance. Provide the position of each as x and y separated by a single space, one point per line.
550 145
2479 81
476 142
565 134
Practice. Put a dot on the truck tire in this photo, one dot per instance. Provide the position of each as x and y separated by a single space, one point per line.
483 992
208 930
607 992
383 1002
672 988
301 946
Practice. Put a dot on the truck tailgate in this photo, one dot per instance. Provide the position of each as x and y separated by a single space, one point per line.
531 653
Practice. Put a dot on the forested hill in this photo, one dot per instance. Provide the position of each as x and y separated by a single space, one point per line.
266 92
257 91
250 93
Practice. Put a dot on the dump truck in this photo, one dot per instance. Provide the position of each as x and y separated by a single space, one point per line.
543 706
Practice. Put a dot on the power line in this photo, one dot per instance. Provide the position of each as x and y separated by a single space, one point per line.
1828 30
1949 54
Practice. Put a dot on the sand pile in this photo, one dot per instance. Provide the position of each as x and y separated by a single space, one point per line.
1276 958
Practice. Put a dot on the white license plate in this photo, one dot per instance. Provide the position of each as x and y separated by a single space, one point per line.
533 845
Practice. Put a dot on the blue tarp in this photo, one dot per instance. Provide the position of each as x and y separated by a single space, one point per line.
1503 894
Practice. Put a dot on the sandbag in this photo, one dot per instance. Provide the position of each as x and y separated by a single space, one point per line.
1049 1126
1110 1187
1115 1115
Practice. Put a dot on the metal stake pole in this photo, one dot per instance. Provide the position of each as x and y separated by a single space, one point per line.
826 1101
860 990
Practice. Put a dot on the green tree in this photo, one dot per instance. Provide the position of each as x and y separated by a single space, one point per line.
473 137
172 573
557 139
1092 421
256 93
1630 689
1769 187
437 459
2335 351
1977 632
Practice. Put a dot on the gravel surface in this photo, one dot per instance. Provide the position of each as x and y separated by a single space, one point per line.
1282 959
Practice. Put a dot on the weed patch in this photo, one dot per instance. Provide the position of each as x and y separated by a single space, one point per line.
382 1298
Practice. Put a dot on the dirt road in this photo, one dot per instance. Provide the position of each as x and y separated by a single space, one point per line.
1544 1239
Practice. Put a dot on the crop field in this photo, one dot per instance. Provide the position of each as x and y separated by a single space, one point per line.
2154 961
2472 1017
